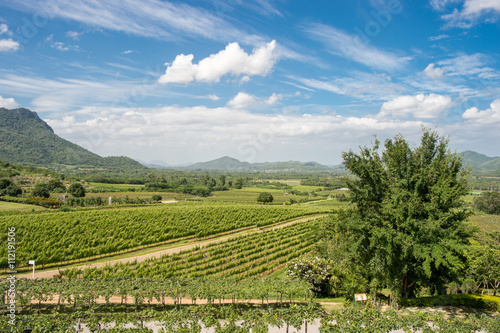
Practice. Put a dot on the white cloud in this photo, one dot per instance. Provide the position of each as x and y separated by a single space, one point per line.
60 46
74 35
274 98
190 134
202 133
8 103
442 4
148 18
7 45
213 97
473 7
434 72
127 52
232 60
360 85
473 12
241 101
351 47
53 95
244 79
439 37
419 106
63 47
4 29
468 65
491 115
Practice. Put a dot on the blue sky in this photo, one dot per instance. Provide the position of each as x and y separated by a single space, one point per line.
261 80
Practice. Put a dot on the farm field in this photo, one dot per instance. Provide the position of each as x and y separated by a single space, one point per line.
56 237
239 275
254 254
9 206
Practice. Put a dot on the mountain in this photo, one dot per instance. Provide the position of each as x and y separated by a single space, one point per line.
223 163
26 139
480 162
229 163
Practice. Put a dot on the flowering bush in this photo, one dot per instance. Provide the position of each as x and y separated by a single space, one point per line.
313 270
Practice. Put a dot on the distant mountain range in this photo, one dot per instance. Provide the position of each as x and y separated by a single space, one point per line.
229 163
479 163
26 139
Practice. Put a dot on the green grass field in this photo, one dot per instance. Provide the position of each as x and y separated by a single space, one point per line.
486 222
17 206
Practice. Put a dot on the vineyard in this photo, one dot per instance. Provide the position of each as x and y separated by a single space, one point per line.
62 306
54 238
246 256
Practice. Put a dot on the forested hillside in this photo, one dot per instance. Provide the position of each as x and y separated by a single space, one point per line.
26 139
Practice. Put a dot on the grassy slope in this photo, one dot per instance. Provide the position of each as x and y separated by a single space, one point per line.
17 206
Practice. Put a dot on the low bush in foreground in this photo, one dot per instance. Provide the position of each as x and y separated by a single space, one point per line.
470 301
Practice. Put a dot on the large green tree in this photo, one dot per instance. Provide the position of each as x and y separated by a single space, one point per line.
77 190
406 227
265 197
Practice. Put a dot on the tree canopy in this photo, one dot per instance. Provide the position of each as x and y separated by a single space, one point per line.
77 190
489 203
41 190
265 197
406 227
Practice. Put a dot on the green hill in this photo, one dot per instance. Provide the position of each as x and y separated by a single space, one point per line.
481 163
223 163
474 159
26 139
229 163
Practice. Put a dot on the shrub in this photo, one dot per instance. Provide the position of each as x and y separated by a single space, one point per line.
41 190
156 197
77 190
469 301
5 182
12 190
265 197
313 270
44 202
489 203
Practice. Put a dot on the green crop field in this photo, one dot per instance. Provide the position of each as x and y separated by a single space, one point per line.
62 236
4 206
245 256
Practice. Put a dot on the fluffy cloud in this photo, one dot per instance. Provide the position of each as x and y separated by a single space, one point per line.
232 60
274 98
351 47
7 45
491 115
213 97
202 133
241 101
8 103
419 106
182 134
433 72
473 12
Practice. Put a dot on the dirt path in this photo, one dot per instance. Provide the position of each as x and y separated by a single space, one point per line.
158 254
